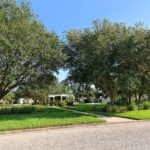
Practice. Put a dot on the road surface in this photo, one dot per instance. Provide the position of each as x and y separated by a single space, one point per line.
120 136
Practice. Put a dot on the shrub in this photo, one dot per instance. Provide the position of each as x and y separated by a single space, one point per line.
18 110
123 108
109 108
70 101
121 101
146 104
140 106
5 110
132 107
64 103
51 103
15 110
27 110
116 108
102 107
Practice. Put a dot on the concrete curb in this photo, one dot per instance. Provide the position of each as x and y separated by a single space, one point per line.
69 126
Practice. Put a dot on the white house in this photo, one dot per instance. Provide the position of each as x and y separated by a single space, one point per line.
59 97
25 101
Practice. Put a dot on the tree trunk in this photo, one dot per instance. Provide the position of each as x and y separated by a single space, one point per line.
112 93
139 97
3 94
112 96
148 96
129 98
136 97
112 100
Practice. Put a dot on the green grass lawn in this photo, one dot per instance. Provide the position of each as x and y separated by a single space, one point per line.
48 117
85 107
138 115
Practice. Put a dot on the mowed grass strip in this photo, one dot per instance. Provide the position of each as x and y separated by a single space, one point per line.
49 117
138 114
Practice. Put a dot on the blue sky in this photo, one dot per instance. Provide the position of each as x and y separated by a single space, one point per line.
62 15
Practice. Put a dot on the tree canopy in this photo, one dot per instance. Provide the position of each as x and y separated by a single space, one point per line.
27 49
112 56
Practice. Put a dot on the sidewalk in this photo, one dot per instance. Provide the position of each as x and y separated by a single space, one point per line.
108 119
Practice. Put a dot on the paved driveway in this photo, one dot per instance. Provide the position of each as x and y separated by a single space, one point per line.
127 136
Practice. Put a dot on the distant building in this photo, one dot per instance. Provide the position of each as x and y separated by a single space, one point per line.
25 101
59 97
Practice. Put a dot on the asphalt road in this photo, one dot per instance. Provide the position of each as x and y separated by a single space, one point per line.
123 136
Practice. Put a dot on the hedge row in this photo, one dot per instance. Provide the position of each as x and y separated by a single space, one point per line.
122 108
18 110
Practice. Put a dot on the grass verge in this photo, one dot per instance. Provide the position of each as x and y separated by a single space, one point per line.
47 118
138 114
